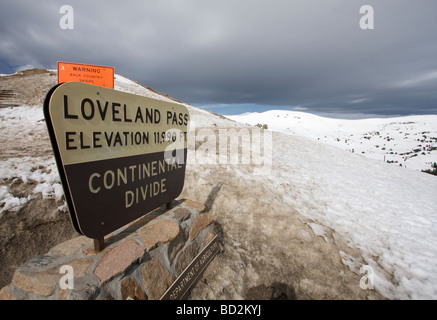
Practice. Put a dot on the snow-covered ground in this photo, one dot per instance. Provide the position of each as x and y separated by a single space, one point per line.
409 141
21 130
365 211
389 213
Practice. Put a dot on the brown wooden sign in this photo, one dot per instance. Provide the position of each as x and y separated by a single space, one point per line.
190 275
119 155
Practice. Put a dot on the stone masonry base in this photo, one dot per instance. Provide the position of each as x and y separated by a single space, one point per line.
139 261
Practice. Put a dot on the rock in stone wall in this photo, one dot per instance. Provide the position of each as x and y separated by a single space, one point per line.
140 260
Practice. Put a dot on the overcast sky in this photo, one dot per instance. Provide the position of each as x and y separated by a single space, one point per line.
243 55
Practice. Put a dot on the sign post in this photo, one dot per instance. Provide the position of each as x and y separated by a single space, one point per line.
119 155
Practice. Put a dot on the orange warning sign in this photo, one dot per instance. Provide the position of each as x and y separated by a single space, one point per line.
87 73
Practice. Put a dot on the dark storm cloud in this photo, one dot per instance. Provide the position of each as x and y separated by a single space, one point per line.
282 53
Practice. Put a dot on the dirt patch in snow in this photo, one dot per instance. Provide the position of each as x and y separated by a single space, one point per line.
271 252
26 87
34 230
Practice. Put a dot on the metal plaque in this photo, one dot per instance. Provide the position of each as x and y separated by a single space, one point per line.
97 75
190 275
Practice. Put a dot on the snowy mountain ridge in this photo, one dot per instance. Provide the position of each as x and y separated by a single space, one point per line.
409 141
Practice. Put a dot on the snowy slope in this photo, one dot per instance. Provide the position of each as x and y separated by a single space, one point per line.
365 211
408 141
389 213
386 212
200 117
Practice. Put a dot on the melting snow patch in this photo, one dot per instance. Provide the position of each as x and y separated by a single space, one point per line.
318 230
9 202
41 172
349 261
